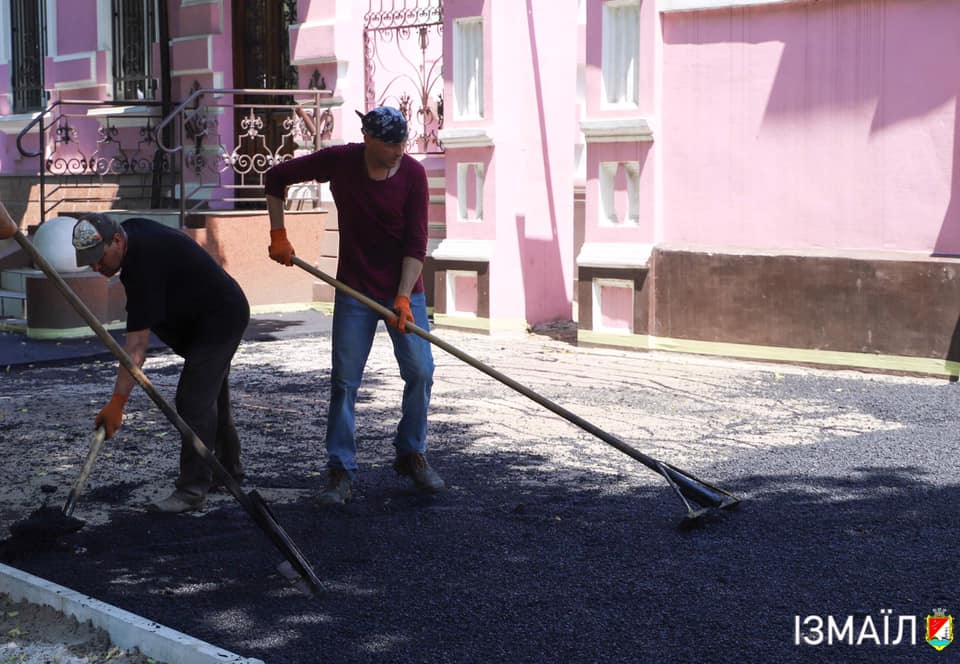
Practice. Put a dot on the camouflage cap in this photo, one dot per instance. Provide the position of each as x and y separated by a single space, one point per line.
384 123
91 234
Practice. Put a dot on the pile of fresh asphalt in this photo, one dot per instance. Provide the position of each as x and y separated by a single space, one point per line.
548 545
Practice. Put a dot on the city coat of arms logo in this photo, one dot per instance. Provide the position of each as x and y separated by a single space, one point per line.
939 629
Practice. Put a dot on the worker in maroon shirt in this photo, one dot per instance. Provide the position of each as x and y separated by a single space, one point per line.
381 198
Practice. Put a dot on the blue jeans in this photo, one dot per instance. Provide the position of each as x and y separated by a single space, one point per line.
354 327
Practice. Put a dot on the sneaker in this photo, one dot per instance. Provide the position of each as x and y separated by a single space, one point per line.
179 502
338 488
415 467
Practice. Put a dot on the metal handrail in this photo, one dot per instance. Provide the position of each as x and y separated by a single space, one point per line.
64 102
196 94
192 103
42 135
301 102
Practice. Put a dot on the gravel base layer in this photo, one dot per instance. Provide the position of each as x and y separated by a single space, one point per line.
548 544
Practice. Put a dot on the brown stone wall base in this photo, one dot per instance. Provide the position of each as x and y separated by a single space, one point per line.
863 304
871 305
48 311
239 242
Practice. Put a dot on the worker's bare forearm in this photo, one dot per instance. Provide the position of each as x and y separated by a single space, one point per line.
135 347
409 273
275 210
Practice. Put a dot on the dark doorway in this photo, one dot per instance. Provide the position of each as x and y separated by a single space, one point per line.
261 57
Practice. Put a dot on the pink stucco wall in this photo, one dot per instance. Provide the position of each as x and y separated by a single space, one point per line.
76 26
532 272
813 125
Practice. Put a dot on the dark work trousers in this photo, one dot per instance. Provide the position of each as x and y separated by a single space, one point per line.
203 396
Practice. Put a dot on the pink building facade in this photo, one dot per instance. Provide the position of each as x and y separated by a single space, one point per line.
769 179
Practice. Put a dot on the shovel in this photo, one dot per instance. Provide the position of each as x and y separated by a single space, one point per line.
98 437
252 502
698 497
46 524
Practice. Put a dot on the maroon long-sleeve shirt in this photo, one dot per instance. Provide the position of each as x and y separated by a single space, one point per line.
381 221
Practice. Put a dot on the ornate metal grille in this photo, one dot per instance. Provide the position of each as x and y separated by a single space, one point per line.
29 38
134 31
403 60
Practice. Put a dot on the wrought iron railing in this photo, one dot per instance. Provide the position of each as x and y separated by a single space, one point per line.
403 62
214 174
81 141
182 159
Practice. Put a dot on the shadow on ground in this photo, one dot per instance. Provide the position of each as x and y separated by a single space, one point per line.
520 563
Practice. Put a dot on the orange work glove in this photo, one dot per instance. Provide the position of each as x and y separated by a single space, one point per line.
401 304
111 417
280 248
7 227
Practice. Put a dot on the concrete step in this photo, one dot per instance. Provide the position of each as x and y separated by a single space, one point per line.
16 279
13 304
18 325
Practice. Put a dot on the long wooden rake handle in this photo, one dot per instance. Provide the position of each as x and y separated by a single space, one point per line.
252 503
688 487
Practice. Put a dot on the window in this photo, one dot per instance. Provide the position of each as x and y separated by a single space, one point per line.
134 32
613 305
28 40
468 68
619 193
470 191
620 52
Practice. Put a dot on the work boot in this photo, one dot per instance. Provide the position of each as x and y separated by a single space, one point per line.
415 467
338 488
178 502
216 485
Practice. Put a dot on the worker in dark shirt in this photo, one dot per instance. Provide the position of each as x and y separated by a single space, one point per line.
381 197
177 291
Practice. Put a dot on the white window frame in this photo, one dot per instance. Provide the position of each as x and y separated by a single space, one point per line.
620 54
688 5
597 310
468 68
463 173
607 181
451 283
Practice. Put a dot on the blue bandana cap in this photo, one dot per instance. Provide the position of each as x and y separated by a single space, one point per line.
384 123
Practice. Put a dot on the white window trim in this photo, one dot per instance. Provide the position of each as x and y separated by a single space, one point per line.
6 48
458 78
597 310
452 308
626 255
692 5
465 138
616 130
607 181
607 32
105 27
463 170
454 249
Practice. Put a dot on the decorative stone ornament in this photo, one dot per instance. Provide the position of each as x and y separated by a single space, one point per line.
54 241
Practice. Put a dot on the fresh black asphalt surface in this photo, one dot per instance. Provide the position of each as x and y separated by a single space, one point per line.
527 559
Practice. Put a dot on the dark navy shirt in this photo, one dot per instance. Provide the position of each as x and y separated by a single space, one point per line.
174 287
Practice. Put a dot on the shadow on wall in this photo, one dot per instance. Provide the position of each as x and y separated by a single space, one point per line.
546 297
898 55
